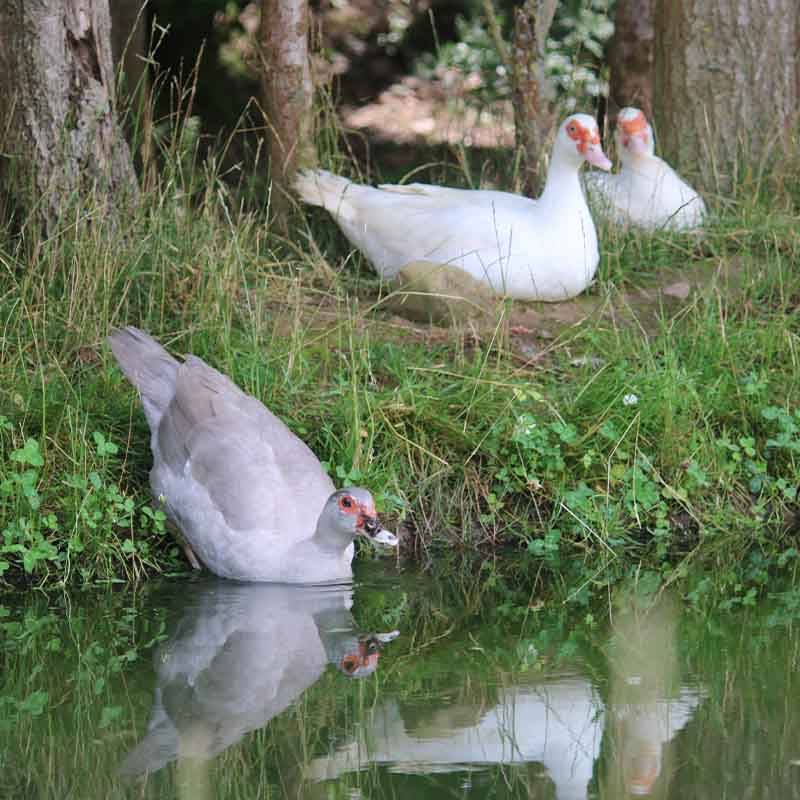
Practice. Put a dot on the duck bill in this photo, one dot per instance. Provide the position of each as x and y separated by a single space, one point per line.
371 528
596 157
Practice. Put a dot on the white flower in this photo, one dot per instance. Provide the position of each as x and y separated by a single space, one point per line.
526 425
630 400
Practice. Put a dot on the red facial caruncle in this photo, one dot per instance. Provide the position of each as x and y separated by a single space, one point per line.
365 658
582 135
366 512
633 127
645 766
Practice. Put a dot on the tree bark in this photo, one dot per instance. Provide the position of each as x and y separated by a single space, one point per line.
57 105
631 53
725 83
287 91
532 98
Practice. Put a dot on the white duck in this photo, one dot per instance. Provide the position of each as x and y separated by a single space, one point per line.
251 499
646 191
543 249
557 723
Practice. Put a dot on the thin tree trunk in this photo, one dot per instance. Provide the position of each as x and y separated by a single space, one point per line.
725 87
61 136
288 92
532 97
631 53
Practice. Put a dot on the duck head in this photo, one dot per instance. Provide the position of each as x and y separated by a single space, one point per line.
642 767
578 140
351 512
360 658
634 135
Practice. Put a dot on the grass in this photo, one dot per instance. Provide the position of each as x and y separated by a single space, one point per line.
647 436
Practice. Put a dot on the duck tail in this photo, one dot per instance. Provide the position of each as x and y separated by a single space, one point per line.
157 749
148 366
317 187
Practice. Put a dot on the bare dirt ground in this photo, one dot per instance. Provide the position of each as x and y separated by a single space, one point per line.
418 111
531 332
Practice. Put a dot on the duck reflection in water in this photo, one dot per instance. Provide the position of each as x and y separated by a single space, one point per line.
240 655
647 704
581 733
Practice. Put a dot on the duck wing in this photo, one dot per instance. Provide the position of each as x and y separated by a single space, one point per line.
445 197
396 224
227 444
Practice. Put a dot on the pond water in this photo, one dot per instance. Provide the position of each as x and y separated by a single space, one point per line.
389 689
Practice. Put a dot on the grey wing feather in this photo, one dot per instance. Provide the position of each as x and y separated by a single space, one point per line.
242 454
233 469
201 395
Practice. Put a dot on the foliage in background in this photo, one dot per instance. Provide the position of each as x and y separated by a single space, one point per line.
574 60
575 52
87 522
447 42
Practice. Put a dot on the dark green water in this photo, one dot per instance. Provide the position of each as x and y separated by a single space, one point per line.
207 689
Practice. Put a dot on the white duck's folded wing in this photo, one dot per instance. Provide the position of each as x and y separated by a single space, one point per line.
445 196
201 395
391 225
229 470
397 224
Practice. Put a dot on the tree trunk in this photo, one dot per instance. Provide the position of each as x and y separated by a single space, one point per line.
532 97
57 105
288 92
631 52
725 83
